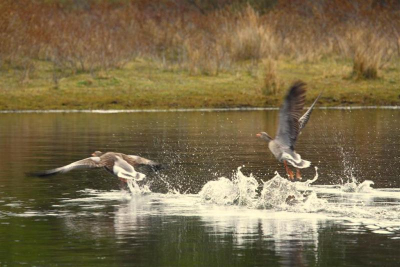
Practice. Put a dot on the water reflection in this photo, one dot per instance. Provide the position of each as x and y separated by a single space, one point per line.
177 221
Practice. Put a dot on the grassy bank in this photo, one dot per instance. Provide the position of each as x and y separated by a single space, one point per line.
144 84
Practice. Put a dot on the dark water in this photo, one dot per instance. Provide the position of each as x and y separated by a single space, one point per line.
83 218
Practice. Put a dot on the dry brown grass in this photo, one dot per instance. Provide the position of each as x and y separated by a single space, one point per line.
272 85
365 66
202 39
249 37
370 52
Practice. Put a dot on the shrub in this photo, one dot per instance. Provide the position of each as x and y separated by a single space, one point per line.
272 84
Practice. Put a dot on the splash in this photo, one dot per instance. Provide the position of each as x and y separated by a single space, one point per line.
247 187
277 192
242 190
135 189
349 167
171 189
221 192
282 194
355 187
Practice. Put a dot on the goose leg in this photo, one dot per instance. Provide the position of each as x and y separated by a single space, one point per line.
123 184
298 175
288 170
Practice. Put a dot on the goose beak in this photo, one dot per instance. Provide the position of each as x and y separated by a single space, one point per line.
93 155
258 135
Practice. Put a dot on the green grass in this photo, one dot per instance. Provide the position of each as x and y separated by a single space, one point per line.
143 84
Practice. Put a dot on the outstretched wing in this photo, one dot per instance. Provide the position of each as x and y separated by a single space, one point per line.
88 163
142 162
306 116
289 115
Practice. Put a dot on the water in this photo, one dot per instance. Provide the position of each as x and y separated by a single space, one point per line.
219 201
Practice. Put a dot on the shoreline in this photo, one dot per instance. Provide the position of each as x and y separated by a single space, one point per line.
114 111
144 87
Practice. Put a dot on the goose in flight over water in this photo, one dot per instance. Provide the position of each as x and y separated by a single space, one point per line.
290 126
118 164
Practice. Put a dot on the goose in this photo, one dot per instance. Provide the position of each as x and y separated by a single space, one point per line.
118 164
289 128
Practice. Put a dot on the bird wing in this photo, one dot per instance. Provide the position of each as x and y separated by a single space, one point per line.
136 160
306 116
88 163
289 115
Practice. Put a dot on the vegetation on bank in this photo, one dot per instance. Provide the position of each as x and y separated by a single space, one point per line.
143 84
62 54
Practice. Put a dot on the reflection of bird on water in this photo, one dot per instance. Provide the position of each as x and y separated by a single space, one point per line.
290 125
119 164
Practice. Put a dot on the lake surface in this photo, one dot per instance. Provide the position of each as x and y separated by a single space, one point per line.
187 215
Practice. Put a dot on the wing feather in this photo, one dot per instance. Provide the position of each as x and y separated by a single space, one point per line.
289 115
306 116
140 161
88 163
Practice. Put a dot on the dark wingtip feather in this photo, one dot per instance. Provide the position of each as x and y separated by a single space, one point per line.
157 167
153 167
298 88
42 173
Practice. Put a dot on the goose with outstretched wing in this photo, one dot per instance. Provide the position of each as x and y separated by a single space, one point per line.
290 126
121 165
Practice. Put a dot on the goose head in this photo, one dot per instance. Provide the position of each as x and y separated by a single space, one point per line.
264 136
97 154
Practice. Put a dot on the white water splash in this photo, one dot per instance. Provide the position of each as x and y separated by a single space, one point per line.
135 189
221 192
242 190
355 187
277 192
247 187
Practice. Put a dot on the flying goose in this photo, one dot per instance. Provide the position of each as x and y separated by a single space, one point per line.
119 164
290 126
